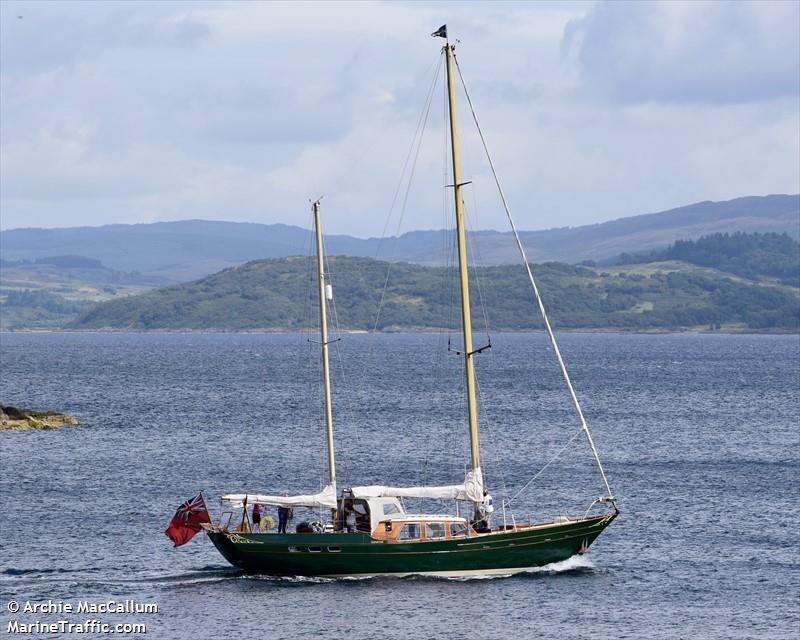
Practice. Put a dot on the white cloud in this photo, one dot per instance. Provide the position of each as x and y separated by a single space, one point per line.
695 51
43 35
243 111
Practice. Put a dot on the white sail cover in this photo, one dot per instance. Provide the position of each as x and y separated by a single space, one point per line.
472 489
325 498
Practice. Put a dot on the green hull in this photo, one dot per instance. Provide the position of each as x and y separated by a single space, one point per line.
346 554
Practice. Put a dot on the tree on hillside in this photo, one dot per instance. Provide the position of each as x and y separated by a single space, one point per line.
752 255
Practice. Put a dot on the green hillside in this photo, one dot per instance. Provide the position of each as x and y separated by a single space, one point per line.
36 309
751 255
50 292
280 293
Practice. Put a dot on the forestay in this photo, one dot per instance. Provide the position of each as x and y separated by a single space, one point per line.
325 498
472 490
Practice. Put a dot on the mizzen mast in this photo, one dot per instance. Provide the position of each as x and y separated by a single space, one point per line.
324 291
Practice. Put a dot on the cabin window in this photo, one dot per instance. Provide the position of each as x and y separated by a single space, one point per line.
315 549
389 509
410 531
434 530
334 549
457 529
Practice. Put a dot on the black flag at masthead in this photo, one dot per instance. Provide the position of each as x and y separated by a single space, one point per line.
441 32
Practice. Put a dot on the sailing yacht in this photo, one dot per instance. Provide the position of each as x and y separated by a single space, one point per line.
369 532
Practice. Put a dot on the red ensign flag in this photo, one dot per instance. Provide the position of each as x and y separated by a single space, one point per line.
187 520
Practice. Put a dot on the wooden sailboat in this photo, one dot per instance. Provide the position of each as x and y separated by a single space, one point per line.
370 532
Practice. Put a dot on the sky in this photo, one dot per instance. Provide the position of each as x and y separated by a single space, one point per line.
128 112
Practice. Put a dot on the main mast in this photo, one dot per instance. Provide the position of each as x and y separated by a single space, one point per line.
461 235
323 331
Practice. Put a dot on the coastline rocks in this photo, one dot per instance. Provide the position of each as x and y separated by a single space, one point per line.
14 419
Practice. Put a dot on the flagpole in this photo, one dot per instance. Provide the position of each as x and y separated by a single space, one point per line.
244 514
205 506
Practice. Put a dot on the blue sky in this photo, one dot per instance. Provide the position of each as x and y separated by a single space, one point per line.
138 112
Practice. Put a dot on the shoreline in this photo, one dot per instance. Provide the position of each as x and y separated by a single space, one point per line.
392 330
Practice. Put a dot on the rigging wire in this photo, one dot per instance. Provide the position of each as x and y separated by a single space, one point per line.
483 406
448 225
551 461
444 283
408 155
551 335
416 140
345 408
498 467
305 327
412 157
457 439
442 367
305 356
476 274
453 439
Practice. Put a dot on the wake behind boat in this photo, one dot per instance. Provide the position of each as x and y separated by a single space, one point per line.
368 530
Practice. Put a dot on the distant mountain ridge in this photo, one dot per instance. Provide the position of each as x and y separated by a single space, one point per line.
184 250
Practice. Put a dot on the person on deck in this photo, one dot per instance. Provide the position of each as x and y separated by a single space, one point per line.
256 516
350 519
488 507
284 515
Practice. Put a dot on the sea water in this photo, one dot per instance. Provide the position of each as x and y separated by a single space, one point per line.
698 434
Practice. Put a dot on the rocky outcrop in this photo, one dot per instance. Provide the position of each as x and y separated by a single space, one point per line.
13 419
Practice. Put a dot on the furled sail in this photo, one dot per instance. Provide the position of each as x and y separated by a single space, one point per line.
472 489
325 498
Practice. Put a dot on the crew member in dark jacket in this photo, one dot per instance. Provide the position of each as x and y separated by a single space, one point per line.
284 515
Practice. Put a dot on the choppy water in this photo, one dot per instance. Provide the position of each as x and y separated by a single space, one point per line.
699 435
